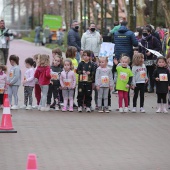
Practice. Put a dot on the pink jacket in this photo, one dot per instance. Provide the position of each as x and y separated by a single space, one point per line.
68 79
3 81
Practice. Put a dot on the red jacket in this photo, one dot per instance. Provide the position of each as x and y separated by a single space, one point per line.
43 75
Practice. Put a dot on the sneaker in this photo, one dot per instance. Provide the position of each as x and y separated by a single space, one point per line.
106 110
57 108
126 109
29 107
74 106
169 107
14 107
109 108
35 107
142 110
159 110
1 106
129 109
120 109
61 104
164 110
88 109
64 109
47 108
71 109
134 110
23 107
80 109
115 92
43 109
39 107
100 110
96 108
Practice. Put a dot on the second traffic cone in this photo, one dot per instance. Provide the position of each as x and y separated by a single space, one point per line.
32 162
6 122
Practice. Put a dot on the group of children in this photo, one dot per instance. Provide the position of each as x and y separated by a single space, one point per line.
61 77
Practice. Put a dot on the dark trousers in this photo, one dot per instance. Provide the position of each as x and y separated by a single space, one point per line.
28 95
84 90
140 87
1 98
53 90
160 97
150 70
4 55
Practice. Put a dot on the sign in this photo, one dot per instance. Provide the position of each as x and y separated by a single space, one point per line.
107 50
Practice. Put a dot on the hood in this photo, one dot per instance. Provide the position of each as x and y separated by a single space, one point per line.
123 29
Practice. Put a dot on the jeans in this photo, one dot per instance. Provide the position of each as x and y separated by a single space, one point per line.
44 91
13 91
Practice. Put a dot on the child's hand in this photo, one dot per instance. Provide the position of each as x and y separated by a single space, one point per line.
127 86
157 79
146 80
51 82
97 87
115 61
24 81
88 72
84 72
132 87
168 87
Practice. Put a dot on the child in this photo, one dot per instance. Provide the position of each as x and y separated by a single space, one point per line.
168 61
55 83
14 80
85 71
124 79
103 81
68 84
28 83
56 51
162 77
3 85
43 75
37 89
139 79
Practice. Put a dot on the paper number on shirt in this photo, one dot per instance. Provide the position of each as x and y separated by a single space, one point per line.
123 76
142 74
104 79
163 77
67 82
11 73
54 76
1 89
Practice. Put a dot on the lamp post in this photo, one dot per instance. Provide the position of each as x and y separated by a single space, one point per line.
71 4
113 6
150 5
97 10
51 5
59 4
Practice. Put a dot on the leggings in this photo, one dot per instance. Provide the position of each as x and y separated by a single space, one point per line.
68 94
13 91
139 87
28 95
1 98
123 95
103 94
38 93
44 91
160 97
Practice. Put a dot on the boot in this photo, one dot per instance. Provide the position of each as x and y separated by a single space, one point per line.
159 108
164 109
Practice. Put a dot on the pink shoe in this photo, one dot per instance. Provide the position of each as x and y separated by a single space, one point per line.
71 109
64 109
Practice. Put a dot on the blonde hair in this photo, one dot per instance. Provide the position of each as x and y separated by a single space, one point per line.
125 58
69 61
43 60
103 58
137 59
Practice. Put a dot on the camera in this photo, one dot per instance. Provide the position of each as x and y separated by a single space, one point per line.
6 34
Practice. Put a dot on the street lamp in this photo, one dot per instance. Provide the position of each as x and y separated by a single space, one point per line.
51 5
113 6
97 9
59 4
150 1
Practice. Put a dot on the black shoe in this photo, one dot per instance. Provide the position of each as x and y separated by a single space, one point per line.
151 91
74 106
52 106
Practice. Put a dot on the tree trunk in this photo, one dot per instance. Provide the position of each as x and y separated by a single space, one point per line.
166 11
65 10
88 11
116 11
81 18
155 6
131 14
19 14
101 17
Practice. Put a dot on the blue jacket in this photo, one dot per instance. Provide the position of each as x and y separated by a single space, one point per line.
124 42
73 39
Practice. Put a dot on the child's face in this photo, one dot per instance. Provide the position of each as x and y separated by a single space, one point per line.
53 54
56 61
27 65
124 62
67 66
161 63
12 62
86 58
103 63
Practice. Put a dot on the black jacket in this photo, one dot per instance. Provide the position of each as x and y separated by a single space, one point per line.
56 69
161 86
73 39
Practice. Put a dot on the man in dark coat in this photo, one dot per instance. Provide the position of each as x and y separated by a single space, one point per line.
73 38
124 41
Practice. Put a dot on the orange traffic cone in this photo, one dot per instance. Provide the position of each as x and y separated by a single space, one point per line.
6 123
5 96
32 162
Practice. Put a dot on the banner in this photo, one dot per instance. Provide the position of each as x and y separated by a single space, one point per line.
107 50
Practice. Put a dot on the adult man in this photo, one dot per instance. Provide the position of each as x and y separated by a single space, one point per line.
91 40
73 38
46 34
5 37
124 41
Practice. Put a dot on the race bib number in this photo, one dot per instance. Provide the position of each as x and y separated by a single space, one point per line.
163 77
67 82
11 74
123 76
104 79
54 76
142 74
83 77
1 89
